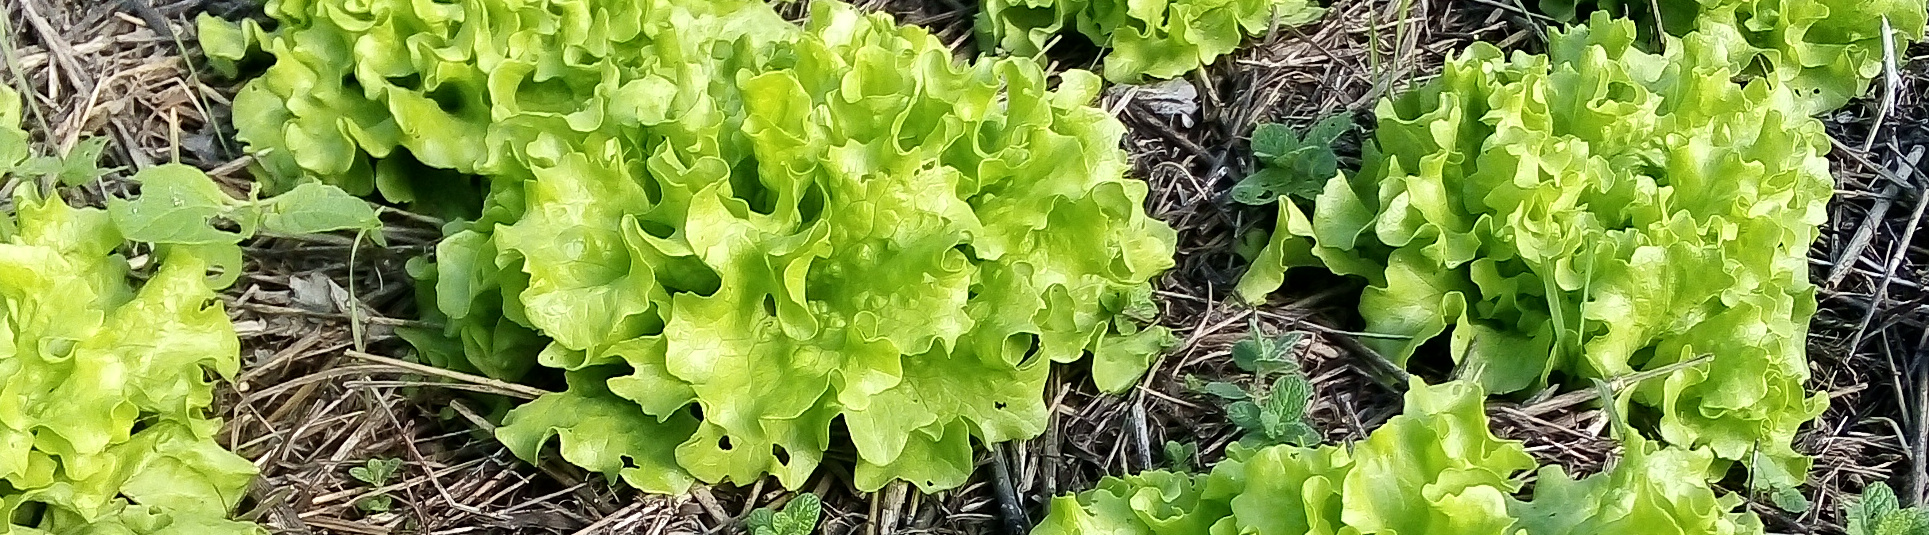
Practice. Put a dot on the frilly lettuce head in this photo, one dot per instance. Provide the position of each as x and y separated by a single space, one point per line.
104 385
1433 469
1644 492
733 234
1158 39
1591 213
1827 51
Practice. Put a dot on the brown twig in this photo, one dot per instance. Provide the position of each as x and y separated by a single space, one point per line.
1895 261
1919 462
497 386
1866 231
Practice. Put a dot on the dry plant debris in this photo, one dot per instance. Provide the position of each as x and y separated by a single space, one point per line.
320 391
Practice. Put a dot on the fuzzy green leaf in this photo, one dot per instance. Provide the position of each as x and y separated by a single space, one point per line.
1181 456
1789 499
1247 416
1289 396
799 517
375 472
1292 165
1262 355
1878 513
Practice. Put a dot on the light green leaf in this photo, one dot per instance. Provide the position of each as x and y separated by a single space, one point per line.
376 472
602 433
1147 39
178 205
313 208
108 383
689 198
1223 390
1285 249
1558 215
226 43
1435 468
1825 51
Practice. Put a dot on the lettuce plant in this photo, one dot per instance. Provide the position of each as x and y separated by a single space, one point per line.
732 235
1162 39
1433 469
1592 213
1827 51
102 418
104 384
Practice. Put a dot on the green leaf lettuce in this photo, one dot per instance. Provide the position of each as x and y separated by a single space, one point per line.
730 232
1591 213
1435 468
1157 39
105 384
1827 51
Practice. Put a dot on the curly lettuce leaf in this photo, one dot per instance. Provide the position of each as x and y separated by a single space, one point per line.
1041 241
1593 213
751 227
1826 51
88 358
601 432
1642 491
1162 39
1435 468
228 44
105 385
397 97
1438 450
